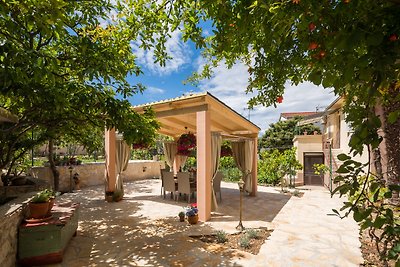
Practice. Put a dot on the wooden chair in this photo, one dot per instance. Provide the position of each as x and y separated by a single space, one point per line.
184 185
217 184
168 182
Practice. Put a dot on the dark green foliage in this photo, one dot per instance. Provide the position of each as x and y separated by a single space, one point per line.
280 135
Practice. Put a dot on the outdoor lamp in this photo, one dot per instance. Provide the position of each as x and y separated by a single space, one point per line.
240 226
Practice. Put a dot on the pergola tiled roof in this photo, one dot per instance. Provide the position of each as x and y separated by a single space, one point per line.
177 113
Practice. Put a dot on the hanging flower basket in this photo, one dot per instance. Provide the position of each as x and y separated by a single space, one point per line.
184 152
226 151
186 143
140 146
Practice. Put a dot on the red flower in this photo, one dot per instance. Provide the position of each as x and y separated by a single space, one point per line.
312 46
311 26
279 99
393 37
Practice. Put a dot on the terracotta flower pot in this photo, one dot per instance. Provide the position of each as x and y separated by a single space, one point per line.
51 204
193 219
38 210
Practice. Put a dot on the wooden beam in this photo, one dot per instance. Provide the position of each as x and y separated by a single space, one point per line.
179 124
181 111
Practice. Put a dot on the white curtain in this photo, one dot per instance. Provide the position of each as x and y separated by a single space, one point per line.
243 152
180 161
216 141
170 150
123 153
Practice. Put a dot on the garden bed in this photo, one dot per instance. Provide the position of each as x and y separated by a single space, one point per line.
235 241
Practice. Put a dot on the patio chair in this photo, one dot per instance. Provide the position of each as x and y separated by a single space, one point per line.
217 184
184 185
168 182
162 171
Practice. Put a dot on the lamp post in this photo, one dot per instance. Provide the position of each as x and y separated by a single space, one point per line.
240 226
70 168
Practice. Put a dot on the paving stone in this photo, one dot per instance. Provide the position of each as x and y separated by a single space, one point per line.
143 230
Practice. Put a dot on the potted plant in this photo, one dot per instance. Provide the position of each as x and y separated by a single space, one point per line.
118 195
52 198
181 216
192 214
109 196
39 205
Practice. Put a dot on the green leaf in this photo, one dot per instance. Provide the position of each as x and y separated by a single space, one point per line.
342 169
315 77
374 186
379 222
388 194
394 187
343 157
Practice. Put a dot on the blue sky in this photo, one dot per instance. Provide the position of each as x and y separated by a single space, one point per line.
226 84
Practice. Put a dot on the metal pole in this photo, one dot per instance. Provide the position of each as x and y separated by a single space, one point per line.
240 226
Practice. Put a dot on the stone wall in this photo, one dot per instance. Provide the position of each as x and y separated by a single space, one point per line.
93 173
11 215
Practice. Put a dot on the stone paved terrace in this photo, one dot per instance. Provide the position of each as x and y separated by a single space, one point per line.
143 230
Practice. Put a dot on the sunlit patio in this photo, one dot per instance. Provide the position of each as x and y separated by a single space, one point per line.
144 229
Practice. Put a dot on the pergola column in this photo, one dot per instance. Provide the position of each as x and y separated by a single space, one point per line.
254 171
203 165
110 171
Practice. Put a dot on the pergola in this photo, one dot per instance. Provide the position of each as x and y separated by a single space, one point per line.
201 114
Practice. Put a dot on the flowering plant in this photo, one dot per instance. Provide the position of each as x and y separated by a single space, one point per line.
226 151
139 146
192 210
186 141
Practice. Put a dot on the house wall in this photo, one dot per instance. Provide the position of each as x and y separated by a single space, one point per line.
303 144
93 173
339 132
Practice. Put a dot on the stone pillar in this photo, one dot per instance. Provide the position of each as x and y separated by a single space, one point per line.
204 165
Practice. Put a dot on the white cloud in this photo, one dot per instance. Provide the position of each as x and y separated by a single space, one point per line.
154 90
178 50
229 86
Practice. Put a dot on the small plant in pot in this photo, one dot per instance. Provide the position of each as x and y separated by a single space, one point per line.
52 198
39 205
192 214
181 216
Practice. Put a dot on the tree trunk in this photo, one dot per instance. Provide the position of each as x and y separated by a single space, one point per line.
53 168
392 140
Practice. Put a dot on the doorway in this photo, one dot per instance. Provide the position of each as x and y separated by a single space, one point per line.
310 178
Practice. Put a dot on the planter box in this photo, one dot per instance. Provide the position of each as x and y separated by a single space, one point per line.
44 242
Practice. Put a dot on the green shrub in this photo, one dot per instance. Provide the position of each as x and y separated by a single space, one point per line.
228 167
296 193
244 241
252 233
274 165
221 236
